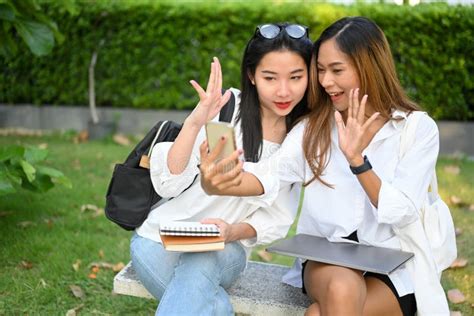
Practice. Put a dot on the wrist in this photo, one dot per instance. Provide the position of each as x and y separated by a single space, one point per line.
192 125
361 167
356 161
231 235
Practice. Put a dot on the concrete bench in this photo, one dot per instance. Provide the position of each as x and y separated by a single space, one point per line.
258 291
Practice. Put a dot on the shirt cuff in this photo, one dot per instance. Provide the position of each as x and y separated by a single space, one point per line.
165 183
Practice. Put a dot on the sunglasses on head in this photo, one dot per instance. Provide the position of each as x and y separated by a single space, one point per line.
271 31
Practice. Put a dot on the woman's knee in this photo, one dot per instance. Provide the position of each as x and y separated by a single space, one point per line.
333 285
340 289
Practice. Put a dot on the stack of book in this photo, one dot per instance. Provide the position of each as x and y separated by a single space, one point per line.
190 236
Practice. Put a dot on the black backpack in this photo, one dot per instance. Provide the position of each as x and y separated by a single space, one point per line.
131 195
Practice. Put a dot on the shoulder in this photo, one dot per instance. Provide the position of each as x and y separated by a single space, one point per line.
426 124
297 132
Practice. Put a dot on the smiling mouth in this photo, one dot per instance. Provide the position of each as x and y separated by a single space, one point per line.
282 105
335 94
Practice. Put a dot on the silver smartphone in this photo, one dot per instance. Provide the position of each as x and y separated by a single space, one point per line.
214 132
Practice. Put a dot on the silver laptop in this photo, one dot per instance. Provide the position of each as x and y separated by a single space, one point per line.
351 255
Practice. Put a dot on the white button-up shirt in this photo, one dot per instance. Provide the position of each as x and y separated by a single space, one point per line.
337 212
271 222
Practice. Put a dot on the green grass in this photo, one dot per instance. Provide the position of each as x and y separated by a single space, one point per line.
57 234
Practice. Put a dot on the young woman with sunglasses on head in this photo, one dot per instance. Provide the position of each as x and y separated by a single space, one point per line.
274 78
346 153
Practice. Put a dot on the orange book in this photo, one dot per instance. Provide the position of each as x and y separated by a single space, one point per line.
192 243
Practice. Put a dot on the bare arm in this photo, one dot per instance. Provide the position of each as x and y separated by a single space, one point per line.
354 137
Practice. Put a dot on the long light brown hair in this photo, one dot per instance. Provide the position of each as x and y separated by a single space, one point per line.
368 50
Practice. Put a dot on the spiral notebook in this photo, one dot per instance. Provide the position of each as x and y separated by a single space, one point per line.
182 228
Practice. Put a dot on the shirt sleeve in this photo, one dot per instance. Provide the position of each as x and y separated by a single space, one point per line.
165 183
284 168
400 199
272 223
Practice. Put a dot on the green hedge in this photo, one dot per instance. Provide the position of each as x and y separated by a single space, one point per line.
150 51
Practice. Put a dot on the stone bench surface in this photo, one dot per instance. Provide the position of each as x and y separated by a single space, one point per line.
258 291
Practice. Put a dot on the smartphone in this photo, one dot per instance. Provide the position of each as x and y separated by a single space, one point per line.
214 132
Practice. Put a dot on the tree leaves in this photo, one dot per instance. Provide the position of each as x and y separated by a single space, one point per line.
19 168
37 30
38 36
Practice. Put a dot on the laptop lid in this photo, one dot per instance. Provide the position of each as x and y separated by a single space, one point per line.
351 255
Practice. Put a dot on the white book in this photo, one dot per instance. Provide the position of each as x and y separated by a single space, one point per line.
183 228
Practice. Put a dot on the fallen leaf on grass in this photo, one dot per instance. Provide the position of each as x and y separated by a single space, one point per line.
459 263
92 208
25 224
77 291
118 267
76 265
455 313
265 256
121 139
458 231
107 265
471 207
92 276
26 265
95 269
452 169
455 296
73 312
101 254
43 146
43 283
3 214
455 200
49 222
81 137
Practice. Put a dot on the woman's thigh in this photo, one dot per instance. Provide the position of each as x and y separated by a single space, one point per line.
322 280
380 299
153 264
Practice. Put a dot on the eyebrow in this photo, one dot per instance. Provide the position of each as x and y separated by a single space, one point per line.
274 73
336 63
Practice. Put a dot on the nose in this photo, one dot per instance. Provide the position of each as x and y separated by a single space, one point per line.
325 79
283 89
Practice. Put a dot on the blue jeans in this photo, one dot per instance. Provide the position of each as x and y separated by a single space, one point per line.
189 283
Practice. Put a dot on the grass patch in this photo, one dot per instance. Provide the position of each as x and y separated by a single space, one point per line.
43 235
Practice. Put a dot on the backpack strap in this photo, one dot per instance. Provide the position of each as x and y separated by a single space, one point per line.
407 139
227 111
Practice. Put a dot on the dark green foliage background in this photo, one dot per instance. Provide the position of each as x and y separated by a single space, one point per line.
150 51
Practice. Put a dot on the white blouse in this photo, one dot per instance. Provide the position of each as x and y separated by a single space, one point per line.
337 212
270 220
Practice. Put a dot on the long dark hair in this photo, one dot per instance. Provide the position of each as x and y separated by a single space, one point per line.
367 47
250 114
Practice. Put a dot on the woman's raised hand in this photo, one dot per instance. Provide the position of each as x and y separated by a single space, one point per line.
211 100
216 177
353 138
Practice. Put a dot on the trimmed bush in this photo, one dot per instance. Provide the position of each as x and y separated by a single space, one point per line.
148 52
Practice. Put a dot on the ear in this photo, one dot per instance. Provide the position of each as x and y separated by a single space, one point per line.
251 77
